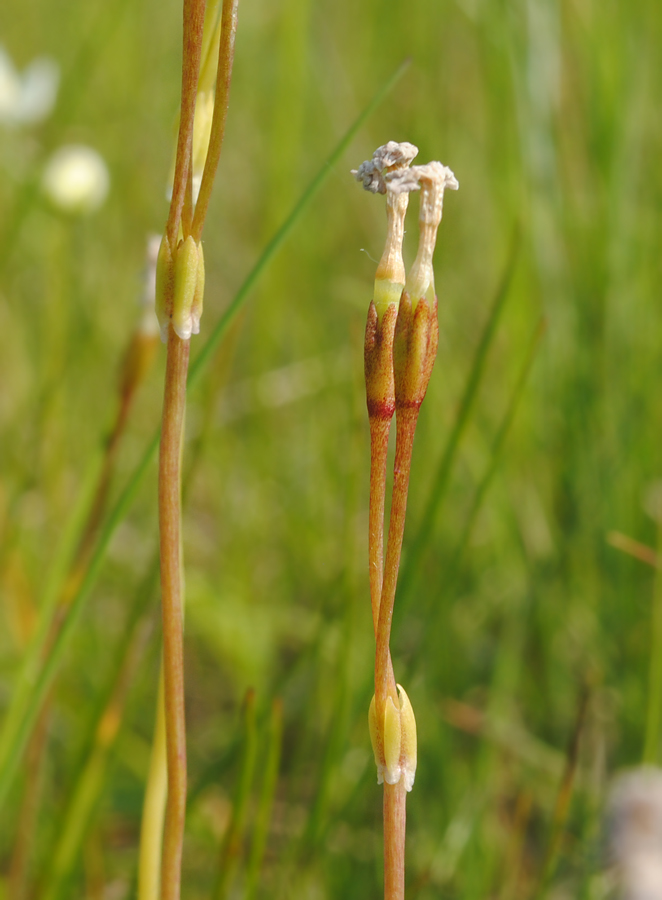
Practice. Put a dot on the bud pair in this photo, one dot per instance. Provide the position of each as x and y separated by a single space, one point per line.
393 737
180 284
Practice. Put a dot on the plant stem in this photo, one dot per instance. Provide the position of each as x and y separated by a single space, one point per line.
174 402
395 796
406 426
395 817
379 433
222 99
194 20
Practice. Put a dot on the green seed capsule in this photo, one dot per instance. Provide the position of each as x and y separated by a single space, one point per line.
186 278
165 283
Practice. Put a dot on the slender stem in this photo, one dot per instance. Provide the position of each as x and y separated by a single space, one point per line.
379 432
395 796
232 848
151 829
194 19
219 118
174 403
406 426
24 843
654 699
395 817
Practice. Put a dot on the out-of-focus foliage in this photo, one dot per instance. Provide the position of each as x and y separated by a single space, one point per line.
548 113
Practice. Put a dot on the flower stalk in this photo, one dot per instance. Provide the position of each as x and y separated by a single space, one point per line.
400 348
180 288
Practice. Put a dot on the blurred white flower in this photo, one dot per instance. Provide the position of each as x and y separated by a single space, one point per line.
634 833
76 179
27 97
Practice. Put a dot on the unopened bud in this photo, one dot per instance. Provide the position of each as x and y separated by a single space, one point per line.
165 286
189 285
394 740
198 297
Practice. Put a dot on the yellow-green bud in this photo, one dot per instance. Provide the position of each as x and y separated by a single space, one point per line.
187 268
198 297
394 741
165 285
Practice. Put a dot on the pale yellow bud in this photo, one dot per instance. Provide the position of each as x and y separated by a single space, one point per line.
198 297
187 266
394 741
165 284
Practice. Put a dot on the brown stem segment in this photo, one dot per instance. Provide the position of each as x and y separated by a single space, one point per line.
406 426
219 118
379 433
194 19
395 818
174 403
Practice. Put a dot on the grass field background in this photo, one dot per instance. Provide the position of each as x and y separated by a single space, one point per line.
518 625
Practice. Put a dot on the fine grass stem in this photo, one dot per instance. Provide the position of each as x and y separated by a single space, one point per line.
266 799
437 491
231 848
652 731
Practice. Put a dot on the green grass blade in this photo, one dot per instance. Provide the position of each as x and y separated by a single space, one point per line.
441 479
19 738
499 441
232 844
267 793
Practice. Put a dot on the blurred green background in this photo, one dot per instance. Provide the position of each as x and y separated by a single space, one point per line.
519 628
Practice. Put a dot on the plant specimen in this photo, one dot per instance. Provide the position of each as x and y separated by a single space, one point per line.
400 349
179 295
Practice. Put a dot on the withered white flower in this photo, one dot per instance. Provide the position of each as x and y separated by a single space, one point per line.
390 157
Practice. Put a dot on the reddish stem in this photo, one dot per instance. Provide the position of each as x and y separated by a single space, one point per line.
194 19
395 818
406 426
219 118
174 403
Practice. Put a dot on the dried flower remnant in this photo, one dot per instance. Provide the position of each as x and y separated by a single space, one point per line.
634 833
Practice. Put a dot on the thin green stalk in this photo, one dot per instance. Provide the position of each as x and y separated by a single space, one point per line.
172 427
91 771
437 492
564 796
232 844
652 732
154 804
16 741
266 801
91 778
499 441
